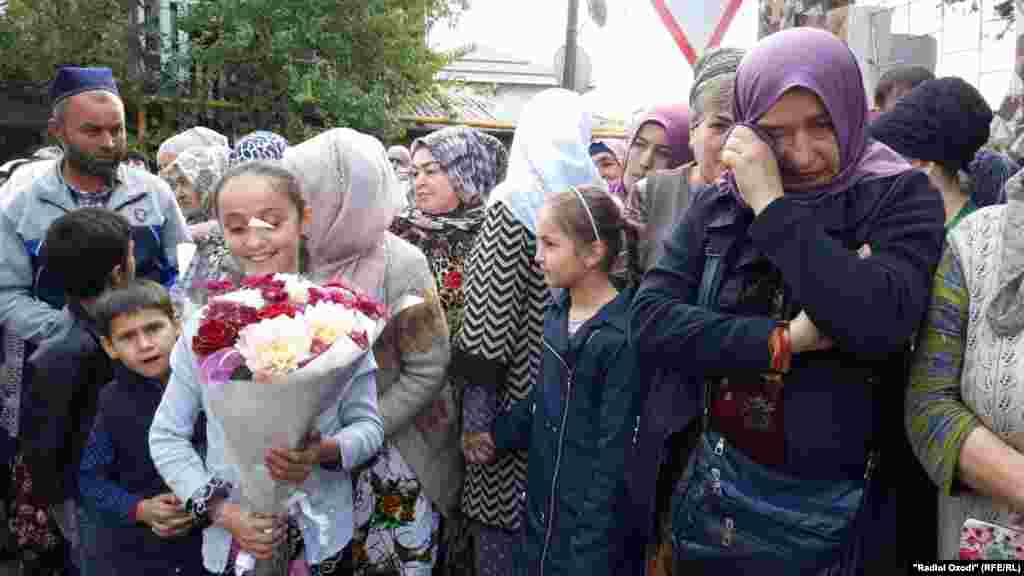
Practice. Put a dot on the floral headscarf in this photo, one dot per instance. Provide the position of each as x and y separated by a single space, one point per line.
203 166
260 145
474 161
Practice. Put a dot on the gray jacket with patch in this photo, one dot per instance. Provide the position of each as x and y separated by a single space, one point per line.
30 298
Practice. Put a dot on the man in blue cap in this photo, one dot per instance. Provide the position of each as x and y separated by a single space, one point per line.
88 120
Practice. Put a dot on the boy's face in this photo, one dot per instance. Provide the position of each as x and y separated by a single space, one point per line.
143 341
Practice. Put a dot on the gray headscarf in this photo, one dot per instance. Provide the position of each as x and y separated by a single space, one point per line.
712 65
198 136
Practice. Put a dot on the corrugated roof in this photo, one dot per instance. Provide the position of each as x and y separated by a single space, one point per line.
462 105
472 109
485 65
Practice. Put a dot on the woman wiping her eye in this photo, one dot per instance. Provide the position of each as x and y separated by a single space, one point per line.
763 313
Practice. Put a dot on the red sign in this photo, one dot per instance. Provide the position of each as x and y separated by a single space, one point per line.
706 21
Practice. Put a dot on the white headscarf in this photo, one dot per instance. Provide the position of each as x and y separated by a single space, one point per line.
550 153
191 138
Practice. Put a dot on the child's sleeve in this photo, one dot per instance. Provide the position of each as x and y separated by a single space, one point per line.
514 429
170 435
362 432
94 483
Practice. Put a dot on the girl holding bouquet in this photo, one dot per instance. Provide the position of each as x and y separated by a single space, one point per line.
416 479
261 210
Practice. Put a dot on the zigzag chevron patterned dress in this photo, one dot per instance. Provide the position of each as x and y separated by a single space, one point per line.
499 346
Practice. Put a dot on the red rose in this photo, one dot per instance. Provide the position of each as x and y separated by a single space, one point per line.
452 280
217 287
278 309
274 294
340 298
315 296
264 281
238 315
213 335
370 307
360 338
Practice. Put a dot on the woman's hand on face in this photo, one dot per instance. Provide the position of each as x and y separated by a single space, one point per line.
804 336
754 166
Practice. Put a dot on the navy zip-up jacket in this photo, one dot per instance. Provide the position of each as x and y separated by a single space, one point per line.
576 429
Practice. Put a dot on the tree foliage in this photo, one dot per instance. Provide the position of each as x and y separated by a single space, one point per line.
38 35
353 63
278 63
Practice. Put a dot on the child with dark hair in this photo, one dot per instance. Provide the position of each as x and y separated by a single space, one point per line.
897 83
90 250
140 526
577 422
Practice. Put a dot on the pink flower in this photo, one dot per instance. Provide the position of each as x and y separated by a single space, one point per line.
969 554
215 287
360 338
274 294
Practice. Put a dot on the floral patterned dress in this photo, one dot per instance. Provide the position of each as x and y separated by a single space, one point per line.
398 530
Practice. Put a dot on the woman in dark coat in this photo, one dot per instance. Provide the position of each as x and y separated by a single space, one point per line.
802 330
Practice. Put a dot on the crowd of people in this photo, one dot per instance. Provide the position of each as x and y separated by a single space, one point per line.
775 330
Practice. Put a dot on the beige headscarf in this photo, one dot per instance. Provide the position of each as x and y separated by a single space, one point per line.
354 194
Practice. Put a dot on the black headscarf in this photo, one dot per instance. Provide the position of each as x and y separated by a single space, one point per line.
944 121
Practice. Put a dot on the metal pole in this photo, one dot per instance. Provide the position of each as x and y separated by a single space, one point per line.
569 69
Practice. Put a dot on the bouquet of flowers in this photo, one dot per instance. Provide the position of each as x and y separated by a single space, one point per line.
275 352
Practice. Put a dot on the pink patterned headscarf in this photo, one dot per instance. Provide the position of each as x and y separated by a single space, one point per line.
354 195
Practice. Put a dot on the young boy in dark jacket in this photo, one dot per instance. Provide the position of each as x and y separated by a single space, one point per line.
140 526
89 251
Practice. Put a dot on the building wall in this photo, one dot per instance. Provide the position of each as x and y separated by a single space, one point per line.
510 100
970 40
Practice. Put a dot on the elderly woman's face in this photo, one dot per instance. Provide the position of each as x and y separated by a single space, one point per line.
707 139
434 192
184 192
805 136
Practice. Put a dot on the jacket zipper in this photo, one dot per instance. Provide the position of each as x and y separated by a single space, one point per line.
128 202
550 523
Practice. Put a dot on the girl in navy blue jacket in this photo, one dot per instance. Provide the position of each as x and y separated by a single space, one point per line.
575 425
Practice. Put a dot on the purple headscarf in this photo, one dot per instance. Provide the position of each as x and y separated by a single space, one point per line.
818 61
675 119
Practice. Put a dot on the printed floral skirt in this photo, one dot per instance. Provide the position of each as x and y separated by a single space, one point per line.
36 536
397 528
